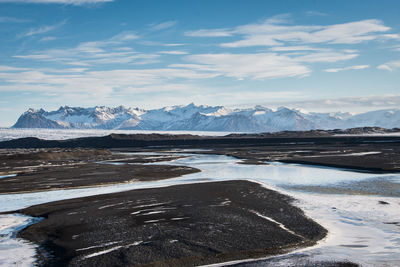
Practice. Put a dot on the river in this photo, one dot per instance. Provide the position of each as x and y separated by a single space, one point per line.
363 228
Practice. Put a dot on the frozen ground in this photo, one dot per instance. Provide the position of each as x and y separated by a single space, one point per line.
60 134
15 251
362 229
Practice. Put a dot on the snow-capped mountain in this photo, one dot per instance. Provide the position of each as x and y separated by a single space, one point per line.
81 118
203 118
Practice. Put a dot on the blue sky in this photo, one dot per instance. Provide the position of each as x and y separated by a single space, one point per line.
315 55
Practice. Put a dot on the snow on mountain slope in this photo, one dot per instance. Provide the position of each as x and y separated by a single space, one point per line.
203 118
97 117
389 118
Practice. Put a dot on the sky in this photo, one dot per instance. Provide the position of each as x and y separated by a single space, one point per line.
313 55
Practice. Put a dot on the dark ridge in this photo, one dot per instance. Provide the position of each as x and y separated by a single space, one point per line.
191 141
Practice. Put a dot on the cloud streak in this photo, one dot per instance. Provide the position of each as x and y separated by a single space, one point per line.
94 82
358 104
12 20
253 66
261 66
43 29
390 66
163 25
109 51
64 2
356 67
274 33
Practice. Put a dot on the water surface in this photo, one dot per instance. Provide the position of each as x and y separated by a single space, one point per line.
361 229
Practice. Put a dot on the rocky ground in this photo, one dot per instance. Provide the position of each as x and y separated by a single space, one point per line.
30 170
183 225
346 149
178 225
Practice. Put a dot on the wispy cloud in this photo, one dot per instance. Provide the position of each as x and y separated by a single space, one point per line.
10 68
316 13
390 66
163 25
12 19
260 66
43 29
173 44
353 104
100 83
356 67
290 48
210 33
109 51
48 38
65 2
273 32
328 56
174 52
241 66
295 48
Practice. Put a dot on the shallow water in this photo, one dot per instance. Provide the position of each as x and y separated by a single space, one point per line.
7 176
360 229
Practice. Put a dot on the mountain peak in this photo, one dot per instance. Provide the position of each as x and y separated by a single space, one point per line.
194 117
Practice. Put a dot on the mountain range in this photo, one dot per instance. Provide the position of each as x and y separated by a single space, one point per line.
203 118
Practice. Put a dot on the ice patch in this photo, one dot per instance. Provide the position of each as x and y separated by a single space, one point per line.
99 246
15 251
153 212
179 218
111 205
102 252
153 221
363 153
282 226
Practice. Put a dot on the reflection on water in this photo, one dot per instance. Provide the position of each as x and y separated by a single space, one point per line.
360 228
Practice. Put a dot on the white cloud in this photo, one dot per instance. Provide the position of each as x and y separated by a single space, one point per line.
9 68
173 44
163 25
210 33
325 57
358 104
294 48
273 33
95 82
48 38
390 66
253 66
260 66
174 52
43 29
109 51
122 37
356 67
391 36
65 2
316 13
